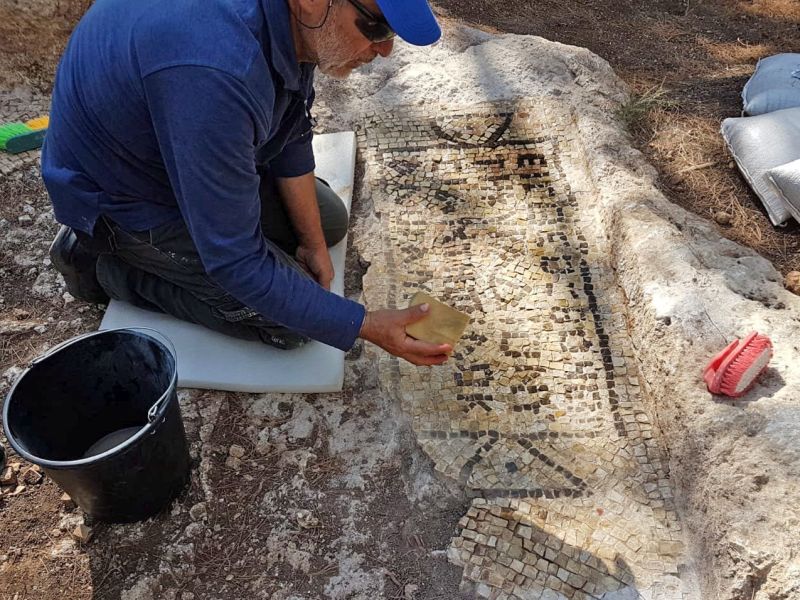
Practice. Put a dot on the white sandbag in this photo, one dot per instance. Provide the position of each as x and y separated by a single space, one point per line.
786 179
761 143
775 85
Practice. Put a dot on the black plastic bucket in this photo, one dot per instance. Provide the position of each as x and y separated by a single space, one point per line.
68 411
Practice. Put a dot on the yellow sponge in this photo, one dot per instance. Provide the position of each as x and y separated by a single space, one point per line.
40 123
443 325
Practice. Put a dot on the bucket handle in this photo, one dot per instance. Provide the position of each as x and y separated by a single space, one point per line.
152 412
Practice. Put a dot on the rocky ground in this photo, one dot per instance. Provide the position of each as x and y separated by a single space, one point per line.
340 496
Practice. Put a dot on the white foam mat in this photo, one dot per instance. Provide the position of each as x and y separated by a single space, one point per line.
210 360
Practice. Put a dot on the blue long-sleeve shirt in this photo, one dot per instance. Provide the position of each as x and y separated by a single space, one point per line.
164 111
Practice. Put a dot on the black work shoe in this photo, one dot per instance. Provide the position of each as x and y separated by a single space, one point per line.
77 263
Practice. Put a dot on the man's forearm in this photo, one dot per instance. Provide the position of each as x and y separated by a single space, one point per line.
299 196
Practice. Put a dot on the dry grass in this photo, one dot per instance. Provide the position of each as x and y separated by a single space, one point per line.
679 144
634 114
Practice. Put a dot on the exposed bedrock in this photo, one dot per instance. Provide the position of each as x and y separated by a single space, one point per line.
707 486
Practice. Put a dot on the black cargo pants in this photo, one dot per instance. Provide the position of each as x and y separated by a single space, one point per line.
160 269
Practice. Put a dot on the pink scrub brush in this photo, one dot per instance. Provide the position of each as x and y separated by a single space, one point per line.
733 371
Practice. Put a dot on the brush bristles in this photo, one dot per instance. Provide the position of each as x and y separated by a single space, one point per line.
37 124
11 130
743 370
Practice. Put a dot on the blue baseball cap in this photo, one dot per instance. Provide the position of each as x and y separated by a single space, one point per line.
413 20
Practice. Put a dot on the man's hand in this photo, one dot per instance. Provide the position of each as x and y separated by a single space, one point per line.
299 195
317 261
387 329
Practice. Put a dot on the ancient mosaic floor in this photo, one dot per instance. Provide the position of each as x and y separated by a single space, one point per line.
539 414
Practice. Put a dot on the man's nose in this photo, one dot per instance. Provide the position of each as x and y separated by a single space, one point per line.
384 48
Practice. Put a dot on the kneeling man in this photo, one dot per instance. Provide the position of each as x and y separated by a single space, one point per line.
179 160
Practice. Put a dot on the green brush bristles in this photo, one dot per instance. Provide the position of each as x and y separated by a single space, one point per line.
11 130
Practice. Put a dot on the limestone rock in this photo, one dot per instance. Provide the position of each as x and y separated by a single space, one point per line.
792 282
18 490
233 463
67 503
83 533
198 511
8 476
32 475
263 447
306 519
20 314
723 218
15 327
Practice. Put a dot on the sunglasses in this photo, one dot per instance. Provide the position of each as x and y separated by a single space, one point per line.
373 27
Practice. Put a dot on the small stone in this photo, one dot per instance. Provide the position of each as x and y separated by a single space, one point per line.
198 511
14 327
306 519
723 218
8 477
20 314
233 463
68 298
40 329
236 451
18 490
32 475
792 282
83 533
263 447
410 591
67 503
229 578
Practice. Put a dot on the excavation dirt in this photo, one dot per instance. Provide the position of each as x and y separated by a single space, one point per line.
571 454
